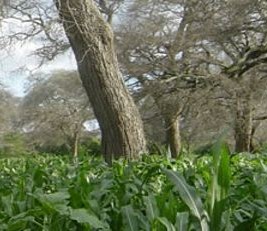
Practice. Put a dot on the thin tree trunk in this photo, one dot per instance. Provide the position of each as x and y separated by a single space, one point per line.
91 39
243 123
170 111
73 141
173 138
252 146
75 146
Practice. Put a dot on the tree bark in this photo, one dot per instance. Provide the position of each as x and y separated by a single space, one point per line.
243 123
173 139
91 39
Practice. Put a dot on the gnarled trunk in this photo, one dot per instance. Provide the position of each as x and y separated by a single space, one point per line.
91 39
243 122
173 139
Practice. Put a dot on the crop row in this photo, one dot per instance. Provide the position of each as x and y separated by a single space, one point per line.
219 192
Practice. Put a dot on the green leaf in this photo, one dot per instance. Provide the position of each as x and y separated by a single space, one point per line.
62 209
224 172
216 216
220 184
55 198
246 225
6 201
186 192
82 216
182 221
152 211
129 218
143 222
227 224
167 224
189 196
217 149
19 222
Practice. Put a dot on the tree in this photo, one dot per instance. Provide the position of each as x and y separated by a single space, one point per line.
59 106
234 46
91 39
9 113
158 58
215 43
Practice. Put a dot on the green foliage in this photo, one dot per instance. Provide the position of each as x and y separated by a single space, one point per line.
157 149
204 149
53 149
13 144
91 146
209 193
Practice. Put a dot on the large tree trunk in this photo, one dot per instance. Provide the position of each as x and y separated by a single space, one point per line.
91 39
243 123
173 138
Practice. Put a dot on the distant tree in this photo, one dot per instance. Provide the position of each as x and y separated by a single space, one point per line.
9 117
54 111
13 144
8 111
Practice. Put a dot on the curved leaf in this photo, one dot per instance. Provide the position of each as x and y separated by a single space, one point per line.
168 225
82 216
152 211
182 221
189 196
129 218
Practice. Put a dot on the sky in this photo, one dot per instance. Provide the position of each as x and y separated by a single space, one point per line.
17 64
